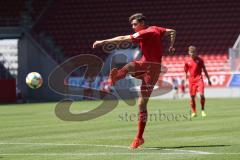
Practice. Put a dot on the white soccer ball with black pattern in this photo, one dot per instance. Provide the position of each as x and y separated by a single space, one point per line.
34 80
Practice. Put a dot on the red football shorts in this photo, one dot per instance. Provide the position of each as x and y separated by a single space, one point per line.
195 87
149 74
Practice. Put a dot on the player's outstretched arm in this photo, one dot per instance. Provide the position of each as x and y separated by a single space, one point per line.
206 73
172 34
112 40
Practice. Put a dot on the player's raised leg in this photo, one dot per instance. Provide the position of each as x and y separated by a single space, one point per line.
117 74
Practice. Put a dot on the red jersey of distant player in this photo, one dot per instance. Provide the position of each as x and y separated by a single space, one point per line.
150 42
194 68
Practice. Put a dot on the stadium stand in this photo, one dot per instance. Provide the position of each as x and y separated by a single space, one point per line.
68 28
74 25
11 12
213 62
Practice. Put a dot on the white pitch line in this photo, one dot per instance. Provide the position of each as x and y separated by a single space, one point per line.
104 154
89 154
190 151
101 145
178 151
181 150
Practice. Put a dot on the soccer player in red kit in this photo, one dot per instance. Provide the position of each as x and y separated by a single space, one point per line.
193 68
147 69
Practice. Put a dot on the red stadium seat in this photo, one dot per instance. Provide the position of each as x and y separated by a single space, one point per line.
71 22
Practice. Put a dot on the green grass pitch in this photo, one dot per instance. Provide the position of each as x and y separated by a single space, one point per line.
32 131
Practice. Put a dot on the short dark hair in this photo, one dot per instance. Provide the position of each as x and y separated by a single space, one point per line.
138 16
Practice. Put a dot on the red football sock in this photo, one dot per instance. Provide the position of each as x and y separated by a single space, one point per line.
202 101
141 123
193 105
121 73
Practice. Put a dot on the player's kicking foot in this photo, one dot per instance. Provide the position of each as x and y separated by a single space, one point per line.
136 143
194 114
112 76
204 114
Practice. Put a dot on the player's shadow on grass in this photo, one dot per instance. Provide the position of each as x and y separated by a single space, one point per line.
200 146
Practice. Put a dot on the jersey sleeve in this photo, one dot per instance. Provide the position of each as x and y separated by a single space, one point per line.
161 30
143 34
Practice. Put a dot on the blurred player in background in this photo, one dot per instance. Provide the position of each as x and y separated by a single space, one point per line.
182 88
147 68
193 68
175 88
104 87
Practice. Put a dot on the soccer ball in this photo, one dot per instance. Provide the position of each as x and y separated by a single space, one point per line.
34 80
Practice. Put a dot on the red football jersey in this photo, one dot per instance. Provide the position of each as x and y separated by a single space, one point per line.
194 67
150 41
